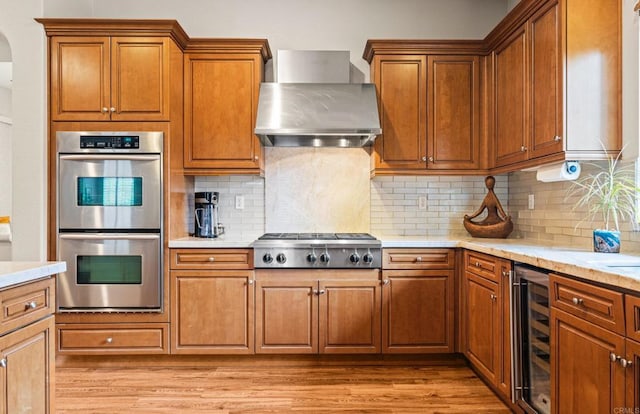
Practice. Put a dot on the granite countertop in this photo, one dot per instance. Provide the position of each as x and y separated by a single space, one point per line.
15 273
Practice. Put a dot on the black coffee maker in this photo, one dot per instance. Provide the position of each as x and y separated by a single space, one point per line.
207 220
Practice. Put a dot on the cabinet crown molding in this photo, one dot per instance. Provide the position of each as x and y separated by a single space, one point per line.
151 28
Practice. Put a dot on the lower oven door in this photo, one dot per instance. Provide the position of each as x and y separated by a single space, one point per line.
110 272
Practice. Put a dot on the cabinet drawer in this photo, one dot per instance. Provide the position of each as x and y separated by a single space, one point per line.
482 264
151 338
598 305
211 259
418 259
24 304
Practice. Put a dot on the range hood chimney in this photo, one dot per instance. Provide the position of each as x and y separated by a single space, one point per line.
314 105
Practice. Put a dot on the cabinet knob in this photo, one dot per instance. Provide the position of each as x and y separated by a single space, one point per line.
212 259
3 362
31 305
625 363
419 259
613 357
256 158
493 297
109 340
322 292
430 159
424 159
385 282
105 109
523 149
112 109
577 301
557 138
505 273
477 264
250 282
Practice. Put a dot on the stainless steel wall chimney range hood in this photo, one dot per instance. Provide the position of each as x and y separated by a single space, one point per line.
314 105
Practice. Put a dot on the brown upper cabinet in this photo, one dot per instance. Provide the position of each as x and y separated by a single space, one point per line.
429 104
557 82
543 86
221 86
110 70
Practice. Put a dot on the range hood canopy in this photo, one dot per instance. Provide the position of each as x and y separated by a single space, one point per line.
326 111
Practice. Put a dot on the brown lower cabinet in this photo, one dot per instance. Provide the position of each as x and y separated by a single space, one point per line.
485 318
418 301
212 301
317 311
27 348
585 379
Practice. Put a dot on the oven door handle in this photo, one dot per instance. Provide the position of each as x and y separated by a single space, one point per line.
103 236
100 157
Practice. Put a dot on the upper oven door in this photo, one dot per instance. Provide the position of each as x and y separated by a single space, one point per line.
109 191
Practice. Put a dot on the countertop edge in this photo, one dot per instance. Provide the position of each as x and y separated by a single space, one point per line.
16 273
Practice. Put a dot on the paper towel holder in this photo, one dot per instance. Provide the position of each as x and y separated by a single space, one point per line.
563 171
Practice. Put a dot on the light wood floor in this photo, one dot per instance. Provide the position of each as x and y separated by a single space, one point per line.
175 390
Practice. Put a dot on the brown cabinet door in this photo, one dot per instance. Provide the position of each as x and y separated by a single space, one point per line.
287 316
503 368
213 312
546 82
80 78
453 138
139 79
511 100
349 316
402 92
632 376
584 379
483 325
221 97
417 311
26 374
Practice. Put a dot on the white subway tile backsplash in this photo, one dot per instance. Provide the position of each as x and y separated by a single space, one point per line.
394 203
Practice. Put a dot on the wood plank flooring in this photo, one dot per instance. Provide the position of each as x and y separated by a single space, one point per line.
224 390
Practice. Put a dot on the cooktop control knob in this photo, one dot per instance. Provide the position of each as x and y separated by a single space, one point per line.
281 258
354 258
324 257
312 258
367 258
267 258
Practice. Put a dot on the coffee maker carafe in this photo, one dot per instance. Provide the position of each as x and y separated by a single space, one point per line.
207 223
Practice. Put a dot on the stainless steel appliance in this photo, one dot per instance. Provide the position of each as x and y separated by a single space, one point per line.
110 221
314 105
317 250
207 216
531 333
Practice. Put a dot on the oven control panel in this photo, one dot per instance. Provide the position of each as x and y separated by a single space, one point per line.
110 142
317 257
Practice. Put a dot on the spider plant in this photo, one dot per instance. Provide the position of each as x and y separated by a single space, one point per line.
609 193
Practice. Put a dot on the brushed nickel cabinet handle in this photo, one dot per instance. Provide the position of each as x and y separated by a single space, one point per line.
3 362
557 138
113 109
109 340
31 305
430 159
212 259
625 363
105 109
419 259
386 282
523 149
577 301
250 282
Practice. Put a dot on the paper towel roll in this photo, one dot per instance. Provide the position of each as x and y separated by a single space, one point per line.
567 170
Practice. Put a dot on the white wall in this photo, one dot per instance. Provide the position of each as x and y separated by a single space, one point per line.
27 41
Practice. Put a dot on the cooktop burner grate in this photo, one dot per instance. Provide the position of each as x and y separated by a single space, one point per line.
316 236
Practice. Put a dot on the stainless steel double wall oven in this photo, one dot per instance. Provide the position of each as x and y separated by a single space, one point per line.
110 221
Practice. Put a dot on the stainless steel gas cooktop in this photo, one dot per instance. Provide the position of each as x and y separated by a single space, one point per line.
317 250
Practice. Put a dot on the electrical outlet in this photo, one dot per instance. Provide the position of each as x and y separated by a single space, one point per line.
532 201
422 203
239 202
